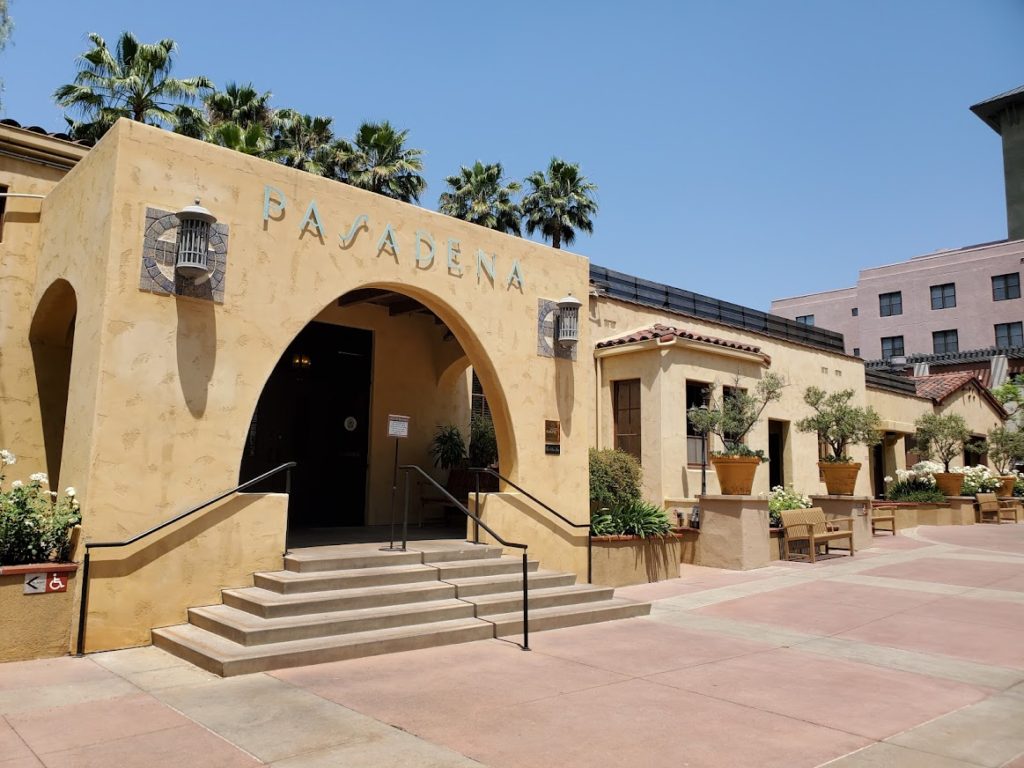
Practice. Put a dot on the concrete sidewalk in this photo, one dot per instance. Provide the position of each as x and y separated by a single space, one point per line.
910 654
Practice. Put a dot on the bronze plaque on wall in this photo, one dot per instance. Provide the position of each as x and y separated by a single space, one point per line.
552 437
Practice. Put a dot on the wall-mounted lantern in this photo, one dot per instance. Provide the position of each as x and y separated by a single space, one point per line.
568 324
193 240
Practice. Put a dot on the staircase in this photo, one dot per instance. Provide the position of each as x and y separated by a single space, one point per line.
343 602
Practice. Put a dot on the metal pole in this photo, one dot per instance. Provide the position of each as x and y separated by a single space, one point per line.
83 605
704 464
405 514
526 607
394 492
590 556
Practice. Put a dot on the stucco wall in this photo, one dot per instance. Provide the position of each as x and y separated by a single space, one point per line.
977 411
35 626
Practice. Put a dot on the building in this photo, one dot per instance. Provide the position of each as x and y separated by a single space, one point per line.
152 385
944 302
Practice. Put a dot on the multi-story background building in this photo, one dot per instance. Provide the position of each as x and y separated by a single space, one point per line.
944 302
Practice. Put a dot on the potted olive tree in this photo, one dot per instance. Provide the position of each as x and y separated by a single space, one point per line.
839 425
942 437
1006 448
731 417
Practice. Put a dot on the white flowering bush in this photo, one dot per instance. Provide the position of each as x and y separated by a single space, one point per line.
784 498
916 484
979 479
35 522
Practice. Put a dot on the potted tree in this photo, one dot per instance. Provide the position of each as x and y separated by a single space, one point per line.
1006 448
449 451
731 417
839 425
942 437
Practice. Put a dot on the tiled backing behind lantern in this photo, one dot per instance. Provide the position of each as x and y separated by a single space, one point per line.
157 273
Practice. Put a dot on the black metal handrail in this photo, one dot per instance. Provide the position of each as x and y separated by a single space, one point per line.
407 468
83 605
590 530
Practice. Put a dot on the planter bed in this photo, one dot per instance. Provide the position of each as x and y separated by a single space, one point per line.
39 625
619 561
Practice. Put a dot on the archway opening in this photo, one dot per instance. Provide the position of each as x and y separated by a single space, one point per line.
373 353
52 337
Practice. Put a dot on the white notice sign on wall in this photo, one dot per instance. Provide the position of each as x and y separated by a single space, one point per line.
398 426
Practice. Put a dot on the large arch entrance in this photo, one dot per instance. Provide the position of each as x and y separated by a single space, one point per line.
325 405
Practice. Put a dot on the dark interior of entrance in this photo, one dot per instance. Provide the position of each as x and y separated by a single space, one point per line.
777 434
315 410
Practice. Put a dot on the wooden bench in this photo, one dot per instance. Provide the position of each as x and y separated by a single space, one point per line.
1010 509
876 519
987 506
811 526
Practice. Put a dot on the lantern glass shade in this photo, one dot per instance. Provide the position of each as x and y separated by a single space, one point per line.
569 321
193 245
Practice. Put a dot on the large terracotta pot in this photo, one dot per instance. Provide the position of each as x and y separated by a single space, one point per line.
735 474
840 477
949 483
1006 489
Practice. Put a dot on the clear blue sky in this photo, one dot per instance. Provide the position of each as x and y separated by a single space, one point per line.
745 149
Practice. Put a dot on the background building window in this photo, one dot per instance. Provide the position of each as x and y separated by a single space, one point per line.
1009 335
697 394
972 456
478 405
892 346
890 303
944 296
856 351
1006 287
854 311
945 342
627 416
805 319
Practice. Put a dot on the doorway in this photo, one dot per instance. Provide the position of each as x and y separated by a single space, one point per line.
877 471
778 432
315 410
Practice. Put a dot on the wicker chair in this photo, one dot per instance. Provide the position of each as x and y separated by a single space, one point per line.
987 506
811 526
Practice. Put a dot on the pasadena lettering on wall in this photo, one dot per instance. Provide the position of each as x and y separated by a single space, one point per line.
421 246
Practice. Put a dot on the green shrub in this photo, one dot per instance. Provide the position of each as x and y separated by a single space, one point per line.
635 518
483 445
614 478
784 498
914 490
35 524
448 448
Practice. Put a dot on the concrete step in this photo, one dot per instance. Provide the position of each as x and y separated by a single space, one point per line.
222 657
568 616
486 585
511 602
462 569
269 605
288 582
344 557
246 629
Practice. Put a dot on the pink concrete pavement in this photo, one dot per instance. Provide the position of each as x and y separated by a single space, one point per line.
910 656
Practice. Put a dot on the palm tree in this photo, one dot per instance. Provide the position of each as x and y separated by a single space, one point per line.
133 81
377 159
559 203
477 195
305 142
241 104
251 140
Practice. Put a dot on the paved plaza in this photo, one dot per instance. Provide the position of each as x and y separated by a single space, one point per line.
910 654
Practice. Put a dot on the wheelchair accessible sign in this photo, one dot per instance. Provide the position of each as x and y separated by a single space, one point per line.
42 583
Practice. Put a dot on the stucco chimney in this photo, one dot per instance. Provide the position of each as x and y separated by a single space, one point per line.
1004 114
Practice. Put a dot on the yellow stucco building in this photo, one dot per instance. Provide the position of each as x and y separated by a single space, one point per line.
325 310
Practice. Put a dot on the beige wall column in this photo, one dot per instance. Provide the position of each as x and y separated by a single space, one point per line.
733 532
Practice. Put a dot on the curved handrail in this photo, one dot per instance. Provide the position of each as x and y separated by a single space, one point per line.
590 528
407 468
462 507
83 604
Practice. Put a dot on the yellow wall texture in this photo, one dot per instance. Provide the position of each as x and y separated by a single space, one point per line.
664 374
978 412
164 388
